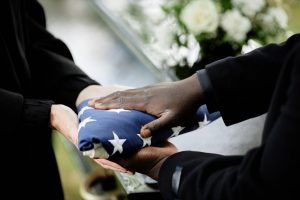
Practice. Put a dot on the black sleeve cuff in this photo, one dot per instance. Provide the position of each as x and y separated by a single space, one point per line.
165 177
70 91
36 113
179 167
207 90
167 180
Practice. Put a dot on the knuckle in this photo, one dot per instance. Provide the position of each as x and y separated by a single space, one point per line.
121 101
96 101
146 94
154 126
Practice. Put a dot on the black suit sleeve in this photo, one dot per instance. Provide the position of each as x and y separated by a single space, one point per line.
54 74
18 113
11 109
242 86
270 171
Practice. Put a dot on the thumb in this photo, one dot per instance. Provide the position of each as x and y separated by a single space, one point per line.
156 125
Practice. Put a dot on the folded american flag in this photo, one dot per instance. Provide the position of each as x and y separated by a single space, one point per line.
103 133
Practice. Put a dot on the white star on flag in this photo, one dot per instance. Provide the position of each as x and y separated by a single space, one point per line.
176 130
117 143
205 122
83 110
146 141
118 110
84 122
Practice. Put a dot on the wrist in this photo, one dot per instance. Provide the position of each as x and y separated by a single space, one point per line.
193 89
53 113
90 91
154 171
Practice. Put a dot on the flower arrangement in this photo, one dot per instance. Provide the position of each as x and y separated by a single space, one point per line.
223 27
182 36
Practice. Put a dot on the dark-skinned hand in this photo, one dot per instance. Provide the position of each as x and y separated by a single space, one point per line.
170 102
147 160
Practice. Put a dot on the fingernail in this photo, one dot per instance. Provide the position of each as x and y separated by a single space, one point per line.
90 103
145 133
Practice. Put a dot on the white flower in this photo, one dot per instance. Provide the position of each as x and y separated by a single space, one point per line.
194 49
274 18
249 7
154 13
200 16
235 25
162 33
250 46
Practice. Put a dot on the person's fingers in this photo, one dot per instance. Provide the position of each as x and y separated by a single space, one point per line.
154 126
136 161
118 97
144 159
129 102
124 161
92 102
109 97
110 167
107 164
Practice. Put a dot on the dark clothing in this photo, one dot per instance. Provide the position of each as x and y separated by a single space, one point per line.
36 70
264 80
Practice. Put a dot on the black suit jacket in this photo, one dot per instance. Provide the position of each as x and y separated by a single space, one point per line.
36 70
264 80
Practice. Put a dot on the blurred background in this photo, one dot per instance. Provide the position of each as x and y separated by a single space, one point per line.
136 43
